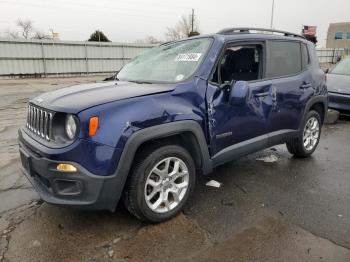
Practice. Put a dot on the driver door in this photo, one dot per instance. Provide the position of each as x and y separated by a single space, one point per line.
237 130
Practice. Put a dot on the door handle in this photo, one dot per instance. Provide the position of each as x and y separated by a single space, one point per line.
305 85
262 94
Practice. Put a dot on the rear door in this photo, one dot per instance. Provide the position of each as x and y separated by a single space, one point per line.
287 69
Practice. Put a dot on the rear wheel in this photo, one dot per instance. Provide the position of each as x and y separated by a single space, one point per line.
160 183
306 142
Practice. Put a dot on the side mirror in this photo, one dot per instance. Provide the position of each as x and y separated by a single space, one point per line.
325 70
239 93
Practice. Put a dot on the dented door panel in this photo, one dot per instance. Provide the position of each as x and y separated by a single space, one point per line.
229 125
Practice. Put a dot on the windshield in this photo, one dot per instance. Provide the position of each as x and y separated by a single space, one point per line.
171 63
343 67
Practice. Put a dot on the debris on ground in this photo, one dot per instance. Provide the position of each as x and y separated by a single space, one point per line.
268 159
213 183
340 215
116 240
36 243
110 253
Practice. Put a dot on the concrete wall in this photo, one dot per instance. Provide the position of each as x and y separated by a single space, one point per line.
338 43
45 58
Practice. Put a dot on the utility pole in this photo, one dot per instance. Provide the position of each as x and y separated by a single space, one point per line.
192 20
272 11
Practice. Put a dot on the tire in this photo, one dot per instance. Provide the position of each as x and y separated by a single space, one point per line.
296 145
151 181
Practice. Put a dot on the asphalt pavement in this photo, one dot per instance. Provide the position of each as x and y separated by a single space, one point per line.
285 210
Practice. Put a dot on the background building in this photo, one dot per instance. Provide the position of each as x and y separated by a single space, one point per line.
338 35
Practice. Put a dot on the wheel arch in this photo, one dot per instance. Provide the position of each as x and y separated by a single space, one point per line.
320 108
319 104
188 132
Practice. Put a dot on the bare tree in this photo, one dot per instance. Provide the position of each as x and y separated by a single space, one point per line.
41 35
149 40
174 33
183 28
27 31
11 34
26 27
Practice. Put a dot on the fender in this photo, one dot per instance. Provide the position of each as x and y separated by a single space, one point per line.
317 99
118 179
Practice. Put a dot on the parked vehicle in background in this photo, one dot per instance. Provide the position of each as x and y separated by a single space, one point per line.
338 81
176 112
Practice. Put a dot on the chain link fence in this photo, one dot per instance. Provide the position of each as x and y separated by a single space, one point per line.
330 56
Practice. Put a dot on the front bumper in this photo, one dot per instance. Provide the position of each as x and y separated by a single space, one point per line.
80 189
339 102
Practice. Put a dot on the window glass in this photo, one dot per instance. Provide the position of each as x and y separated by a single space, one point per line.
338 35
284 58
342 68
348 35
171 62
241 62
305 59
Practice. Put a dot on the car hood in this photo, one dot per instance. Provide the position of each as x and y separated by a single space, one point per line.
79 97
338 83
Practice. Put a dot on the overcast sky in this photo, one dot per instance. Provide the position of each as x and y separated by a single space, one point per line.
129 20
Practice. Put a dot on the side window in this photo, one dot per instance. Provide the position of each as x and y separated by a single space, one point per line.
283 59
241 62
338 35
305 58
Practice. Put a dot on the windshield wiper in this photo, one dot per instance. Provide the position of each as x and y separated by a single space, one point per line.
139 82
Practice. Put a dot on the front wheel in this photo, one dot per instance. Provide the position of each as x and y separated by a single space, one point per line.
160 183
306 142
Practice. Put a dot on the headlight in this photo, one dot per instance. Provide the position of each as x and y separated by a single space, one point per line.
71 126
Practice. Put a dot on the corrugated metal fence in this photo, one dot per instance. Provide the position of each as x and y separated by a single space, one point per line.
38 58
45 58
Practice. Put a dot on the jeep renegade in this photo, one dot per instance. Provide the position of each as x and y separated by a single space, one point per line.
174 112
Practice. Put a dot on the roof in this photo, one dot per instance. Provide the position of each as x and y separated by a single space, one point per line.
340 24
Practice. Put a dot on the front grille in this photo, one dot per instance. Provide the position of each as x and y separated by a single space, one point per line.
39 122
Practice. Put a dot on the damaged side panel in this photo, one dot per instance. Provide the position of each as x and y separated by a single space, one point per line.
229 124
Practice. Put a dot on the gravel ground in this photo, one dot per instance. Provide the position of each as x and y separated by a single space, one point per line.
287 210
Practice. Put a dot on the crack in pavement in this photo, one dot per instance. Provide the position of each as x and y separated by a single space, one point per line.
15 188
14 219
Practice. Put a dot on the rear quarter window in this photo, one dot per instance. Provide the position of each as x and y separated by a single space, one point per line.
283 59
305 58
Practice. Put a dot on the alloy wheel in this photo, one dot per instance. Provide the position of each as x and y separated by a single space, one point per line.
166 185
311 133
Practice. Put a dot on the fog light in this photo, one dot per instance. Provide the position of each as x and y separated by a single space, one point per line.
66 168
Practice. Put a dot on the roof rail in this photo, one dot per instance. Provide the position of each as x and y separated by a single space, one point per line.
235 30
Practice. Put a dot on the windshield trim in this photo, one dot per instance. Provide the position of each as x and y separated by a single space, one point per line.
183 80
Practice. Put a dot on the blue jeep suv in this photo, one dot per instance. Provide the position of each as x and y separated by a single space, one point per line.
174 112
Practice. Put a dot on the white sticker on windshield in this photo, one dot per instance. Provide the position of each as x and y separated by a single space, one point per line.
188 57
